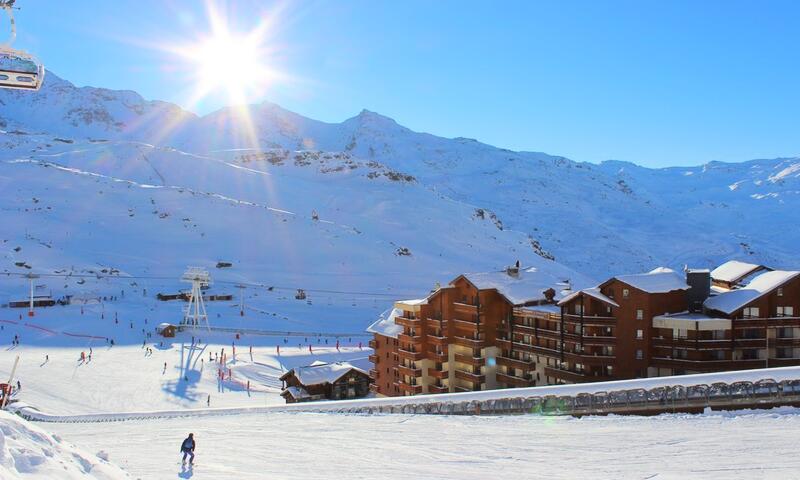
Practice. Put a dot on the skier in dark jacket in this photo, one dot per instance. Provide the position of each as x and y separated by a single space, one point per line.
187 447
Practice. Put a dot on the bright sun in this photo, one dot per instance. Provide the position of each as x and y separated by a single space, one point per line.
230 62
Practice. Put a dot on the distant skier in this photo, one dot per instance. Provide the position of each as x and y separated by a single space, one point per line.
187 447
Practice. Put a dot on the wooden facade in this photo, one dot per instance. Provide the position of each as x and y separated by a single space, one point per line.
462 338
353 383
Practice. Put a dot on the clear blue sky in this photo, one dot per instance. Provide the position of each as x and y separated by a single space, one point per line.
653 82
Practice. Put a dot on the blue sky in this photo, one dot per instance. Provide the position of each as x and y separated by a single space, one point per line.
653 82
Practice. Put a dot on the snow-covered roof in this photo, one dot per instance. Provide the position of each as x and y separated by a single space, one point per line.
385 324
296 392
414 302
733 271
322 373
691 321
528 285
729 302
592 292
660 280
549 308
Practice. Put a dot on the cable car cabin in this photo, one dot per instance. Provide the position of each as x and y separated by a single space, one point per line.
20 71
301 294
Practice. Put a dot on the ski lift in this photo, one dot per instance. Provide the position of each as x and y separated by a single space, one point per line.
300 295
18 69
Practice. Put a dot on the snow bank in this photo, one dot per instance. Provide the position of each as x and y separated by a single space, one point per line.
27 451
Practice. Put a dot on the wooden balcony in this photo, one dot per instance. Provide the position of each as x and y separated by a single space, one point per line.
590 320
784 342
469 360
408 339
438 357
465 308
372 344
438 373
438 389
468 342
434 340
411 389
408 322
708 365
514 363
373 373
783 362
435 322
414 356
473 378
692 344
568 375
374 388
373 358
411 372
599 340
514 381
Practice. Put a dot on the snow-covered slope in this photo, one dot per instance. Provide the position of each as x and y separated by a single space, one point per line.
455 204
27 451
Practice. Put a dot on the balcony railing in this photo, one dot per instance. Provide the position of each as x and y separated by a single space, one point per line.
410 371
408 322
469 360
514 363
373 358
438 389
411 389
438 373
567 375
470 377
410 355
403 338
468 342
513 380
438 356
434 340
372 344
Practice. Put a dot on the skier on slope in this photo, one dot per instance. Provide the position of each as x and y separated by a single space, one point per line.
187 447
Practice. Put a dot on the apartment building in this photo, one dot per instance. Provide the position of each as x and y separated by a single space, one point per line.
517 329
448 341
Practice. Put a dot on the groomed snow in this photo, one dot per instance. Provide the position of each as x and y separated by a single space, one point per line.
764 283
326 446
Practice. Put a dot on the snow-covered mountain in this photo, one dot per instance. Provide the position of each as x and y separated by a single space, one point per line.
99 177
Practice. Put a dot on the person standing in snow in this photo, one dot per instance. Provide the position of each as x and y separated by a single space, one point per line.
187 447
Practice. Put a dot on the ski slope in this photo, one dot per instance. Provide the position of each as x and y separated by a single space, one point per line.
290 446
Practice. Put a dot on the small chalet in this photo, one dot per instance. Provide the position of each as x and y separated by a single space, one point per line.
324 381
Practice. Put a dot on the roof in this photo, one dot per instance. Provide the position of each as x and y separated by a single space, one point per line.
295 392
592 292
734 270
414 302
691 321
317 373
385 324
528 285
660 280
548 308
729 302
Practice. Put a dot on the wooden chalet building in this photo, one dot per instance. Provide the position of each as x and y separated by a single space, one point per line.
518 329
324 381
449 341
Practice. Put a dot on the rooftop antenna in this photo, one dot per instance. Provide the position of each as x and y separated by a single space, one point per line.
195 313
31 277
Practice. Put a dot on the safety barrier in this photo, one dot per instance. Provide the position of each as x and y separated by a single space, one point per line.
638 401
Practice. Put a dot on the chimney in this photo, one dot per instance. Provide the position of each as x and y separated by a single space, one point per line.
699 282
513 271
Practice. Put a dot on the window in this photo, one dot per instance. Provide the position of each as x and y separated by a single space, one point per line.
639 334
780 292
578 308
680 333
785 311
718 355
750 312
639 314
639 354
625 293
